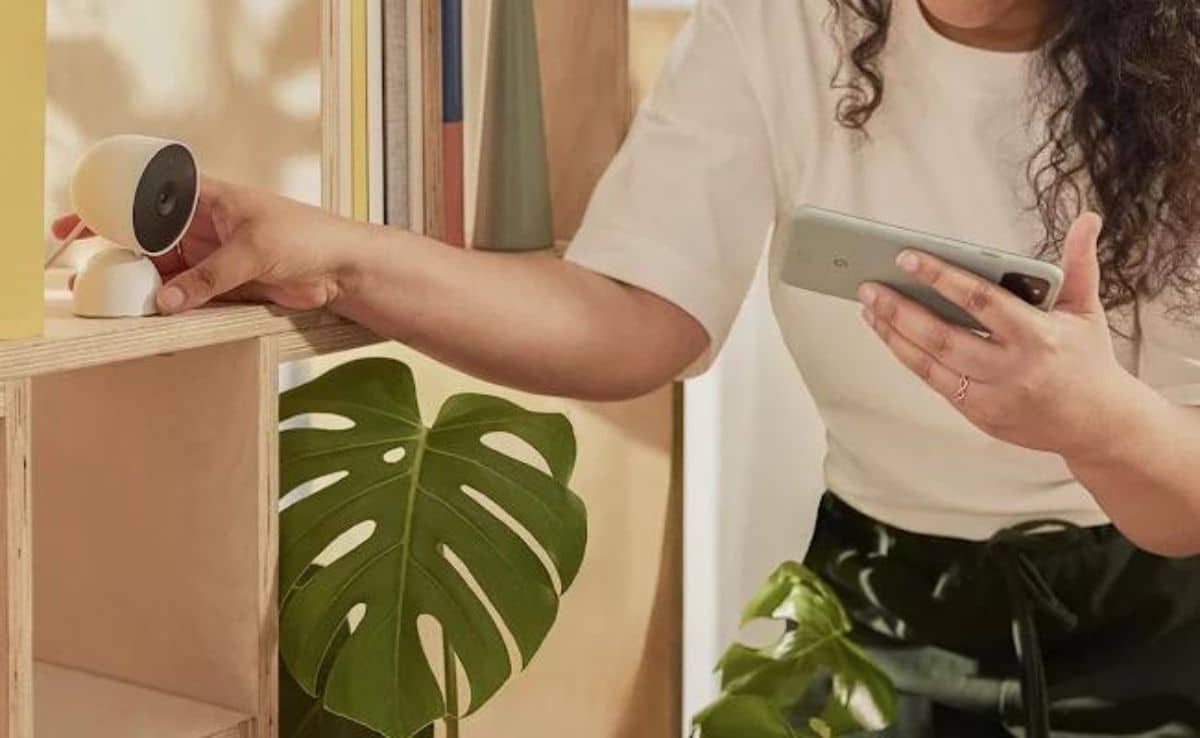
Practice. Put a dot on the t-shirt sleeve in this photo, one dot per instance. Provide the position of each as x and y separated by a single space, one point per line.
1169 349
685 207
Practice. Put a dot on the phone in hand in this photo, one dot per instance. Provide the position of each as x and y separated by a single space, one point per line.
834 254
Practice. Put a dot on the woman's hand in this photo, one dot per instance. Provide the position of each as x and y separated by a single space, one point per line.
249 245
1045 381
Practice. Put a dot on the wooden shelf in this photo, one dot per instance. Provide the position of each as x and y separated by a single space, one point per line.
71 703
70 343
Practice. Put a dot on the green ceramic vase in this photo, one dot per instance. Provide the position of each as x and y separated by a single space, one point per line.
513 210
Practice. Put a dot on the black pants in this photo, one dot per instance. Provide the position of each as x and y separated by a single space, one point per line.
1108 636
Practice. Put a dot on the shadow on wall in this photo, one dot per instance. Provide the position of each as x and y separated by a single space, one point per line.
239 80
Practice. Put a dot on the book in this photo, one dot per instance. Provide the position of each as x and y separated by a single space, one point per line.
376 159
359 111
400 145
453 152
397 167
431 123
353 109
474 34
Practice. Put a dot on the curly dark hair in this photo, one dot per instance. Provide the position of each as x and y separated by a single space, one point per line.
1119 84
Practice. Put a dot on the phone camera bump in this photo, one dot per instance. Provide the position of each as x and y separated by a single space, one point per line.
1032 290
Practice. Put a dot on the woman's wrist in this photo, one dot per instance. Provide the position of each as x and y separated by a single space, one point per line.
1124 412
352 251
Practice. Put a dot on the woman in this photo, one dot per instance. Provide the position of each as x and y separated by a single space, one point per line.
996 121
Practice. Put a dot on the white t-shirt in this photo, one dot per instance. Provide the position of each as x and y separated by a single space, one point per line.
742 128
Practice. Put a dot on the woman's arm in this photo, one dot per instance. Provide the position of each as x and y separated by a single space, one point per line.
1143 467
530 321
1051 382
533 322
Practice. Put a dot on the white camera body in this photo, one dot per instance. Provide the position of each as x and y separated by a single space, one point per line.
140 193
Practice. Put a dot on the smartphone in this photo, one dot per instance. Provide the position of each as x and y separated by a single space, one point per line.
834 254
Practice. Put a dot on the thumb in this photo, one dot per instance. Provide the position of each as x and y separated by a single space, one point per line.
225 269
1081 286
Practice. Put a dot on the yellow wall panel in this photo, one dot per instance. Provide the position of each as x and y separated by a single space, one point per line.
22 135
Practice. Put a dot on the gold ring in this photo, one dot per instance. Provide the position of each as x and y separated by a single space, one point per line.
964 386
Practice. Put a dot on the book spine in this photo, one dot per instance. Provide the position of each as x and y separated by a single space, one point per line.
396 182
376 161
343 61
452 121
435 224
22 139
475 17
360 175
330 107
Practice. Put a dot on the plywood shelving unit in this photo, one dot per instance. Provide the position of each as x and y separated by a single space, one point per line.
139 469
138 473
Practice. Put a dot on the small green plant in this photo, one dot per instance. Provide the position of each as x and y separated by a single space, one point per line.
448 528
767 692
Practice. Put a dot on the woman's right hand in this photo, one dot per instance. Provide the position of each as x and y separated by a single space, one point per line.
250 245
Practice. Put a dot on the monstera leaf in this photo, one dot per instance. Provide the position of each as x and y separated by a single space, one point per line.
303 716
766 691
478 540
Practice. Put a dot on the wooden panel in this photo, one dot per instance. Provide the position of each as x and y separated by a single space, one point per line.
75 343
72 703
149 520
611 667
585 81
16 697
268 538
327 340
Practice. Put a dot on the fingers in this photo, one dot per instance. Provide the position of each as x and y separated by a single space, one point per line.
250 292
943 381
958 348
227 268
997 310
1081 287
65 224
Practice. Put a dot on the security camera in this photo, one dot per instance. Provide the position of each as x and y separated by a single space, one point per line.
137 191
140 194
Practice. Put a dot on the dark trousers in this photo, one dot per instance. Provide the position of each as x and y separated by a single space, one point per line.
1076 625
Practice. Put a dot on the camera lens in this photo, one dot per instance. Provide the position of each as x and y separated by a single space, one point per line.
162 205
167 197
1032 290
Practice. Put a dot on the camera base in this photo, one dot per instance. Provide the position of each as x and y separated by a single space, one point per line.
116 283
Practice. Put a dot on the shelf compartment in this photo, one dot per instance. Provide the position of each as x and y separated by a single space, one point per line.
72 703
153 526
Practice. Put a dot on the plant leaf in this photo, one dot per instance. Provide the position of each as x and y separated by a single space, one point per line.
765 688
410 481
742 716
303 716
863 697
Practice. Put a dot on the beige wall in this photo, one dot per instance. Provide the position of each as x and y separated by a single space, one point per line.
239 80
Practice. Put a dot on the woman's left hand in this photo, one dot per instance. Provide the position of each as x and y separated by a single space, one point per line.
1045 381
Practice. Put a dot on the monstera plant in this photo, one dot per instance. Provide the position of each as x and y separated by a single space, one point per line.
449 528
768 692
